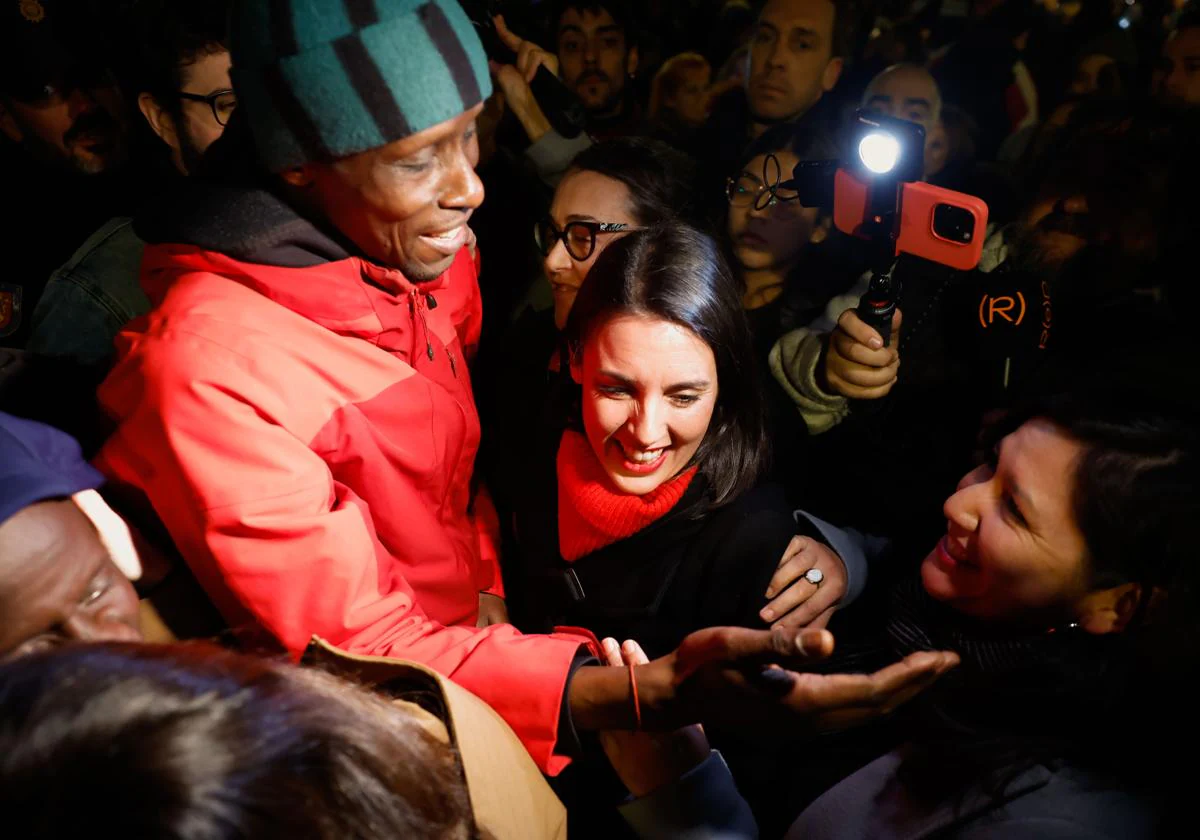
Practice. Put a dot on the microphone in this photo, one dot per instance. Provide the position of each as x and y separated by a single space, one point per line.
562 108
1012 323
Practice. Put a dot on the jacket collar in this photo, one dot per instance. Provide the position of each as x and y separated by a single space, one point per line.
249 234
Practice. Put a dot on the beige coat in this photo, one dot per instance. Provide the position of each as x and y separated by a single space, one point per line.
509 795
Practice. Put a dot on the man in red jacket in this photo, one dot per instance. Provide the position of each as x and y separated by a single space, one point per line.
297 406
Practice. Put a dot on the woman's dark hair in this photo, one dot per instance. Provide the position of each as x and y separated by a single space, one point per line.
1136 498
661 180
191 741
677 273
168 36
805 139
1136 489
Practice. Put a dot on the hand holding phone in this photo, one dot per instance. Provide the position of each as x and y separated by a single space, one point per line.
858 364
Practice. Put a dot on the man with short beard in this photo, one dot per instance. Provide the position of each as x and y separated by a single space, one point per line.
795 57
179 74
598 56
62 153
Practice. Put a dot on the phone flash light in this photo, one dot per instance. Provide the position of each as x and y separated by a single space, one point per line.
879 152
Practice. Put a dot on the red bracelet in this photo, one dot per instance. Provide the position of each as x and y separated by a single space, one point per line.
637 706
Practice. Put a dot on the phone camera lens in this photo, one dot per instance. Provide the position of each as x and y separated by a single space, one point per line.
956 224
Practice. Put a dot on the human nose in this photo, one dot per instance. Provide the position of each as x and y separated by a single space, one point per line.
463 189
647 424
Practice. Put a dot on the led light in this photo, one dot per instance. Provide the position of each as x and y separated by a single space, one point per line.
1123 22
879 152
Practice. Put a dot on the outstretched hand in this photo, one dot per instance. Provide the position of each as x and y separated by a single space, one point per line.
740 677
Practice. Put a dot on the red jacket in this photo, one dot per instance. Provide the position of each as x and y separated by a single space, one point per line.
307 435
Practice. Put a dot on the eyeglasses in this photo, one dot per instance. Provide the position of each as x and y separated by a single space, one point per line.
222 103
579 238
748 189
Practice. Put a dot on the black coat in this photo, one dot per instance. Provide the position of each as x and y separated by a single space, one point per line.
689 570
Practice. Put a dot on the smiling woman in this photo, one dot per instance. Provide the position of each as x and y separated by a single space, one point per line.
1066 580
659 527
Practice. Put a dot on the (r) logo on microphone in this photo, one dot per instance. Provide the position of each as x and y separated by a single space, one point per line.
1001 306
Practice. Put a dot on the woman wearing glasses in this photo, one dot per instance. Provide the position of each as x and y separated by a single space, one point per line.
769 231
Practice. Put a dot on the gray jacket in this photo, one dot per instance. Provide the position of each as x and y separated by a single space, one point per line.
1041 804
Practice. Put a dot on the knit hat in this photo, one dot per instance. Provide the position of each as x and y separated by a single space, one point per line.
320 80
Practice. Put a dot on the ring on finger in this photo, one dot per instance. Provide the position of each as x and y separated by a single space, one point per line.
814 576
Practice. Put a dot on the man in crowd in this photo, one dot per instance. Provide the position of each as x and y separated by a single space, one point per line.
179 74
63 150
1177 79
796 52
909 92
65 558
297 406
598 56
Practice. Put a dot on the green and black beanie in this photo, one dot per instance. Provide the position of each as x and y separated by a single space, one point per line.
320 80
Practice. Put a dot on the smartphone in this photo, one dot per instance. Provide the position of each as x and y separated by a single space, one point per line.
936 224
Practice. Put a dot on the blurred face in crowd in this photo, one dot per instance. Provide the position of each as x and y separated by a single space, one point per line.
649 390
74 123
791 59
764 235
582 196
59 583
595 59
1013 551
406 204
1089 75
908 92
199 124
690 99
1177 81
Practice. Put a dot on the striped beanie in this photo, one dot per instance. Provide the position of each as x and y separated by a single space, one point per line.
320 80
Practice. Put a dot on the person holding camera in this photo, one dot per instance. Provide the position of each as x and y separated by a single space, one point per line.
1099 223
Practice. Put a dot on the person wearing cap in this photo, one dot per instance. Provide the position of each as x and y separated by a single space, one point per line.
66 559
297 406
63 150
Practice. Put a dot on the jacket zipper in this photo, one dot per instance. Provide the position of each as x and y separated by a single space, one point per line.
419 311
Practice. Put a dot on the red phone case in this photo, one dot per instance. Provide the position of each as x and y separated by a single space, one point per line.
917 204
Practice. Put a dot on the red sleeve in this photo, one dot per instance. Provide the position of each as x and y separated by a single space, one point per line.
271 536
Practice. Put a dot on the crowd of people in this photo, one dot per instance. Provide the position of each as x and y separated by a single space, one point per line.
424 418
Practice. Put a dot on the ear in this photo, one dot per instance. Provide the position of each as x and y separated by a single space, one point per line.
160 121
833 72
1109 610
631 62
8 125
300 177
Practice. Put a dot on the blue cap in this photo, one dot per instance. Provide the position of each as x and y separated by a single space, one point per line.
38 462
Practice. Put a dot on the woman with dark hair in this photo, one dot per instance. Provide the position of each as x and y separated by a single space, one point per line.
769 232
192 741
644 520
1067 582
